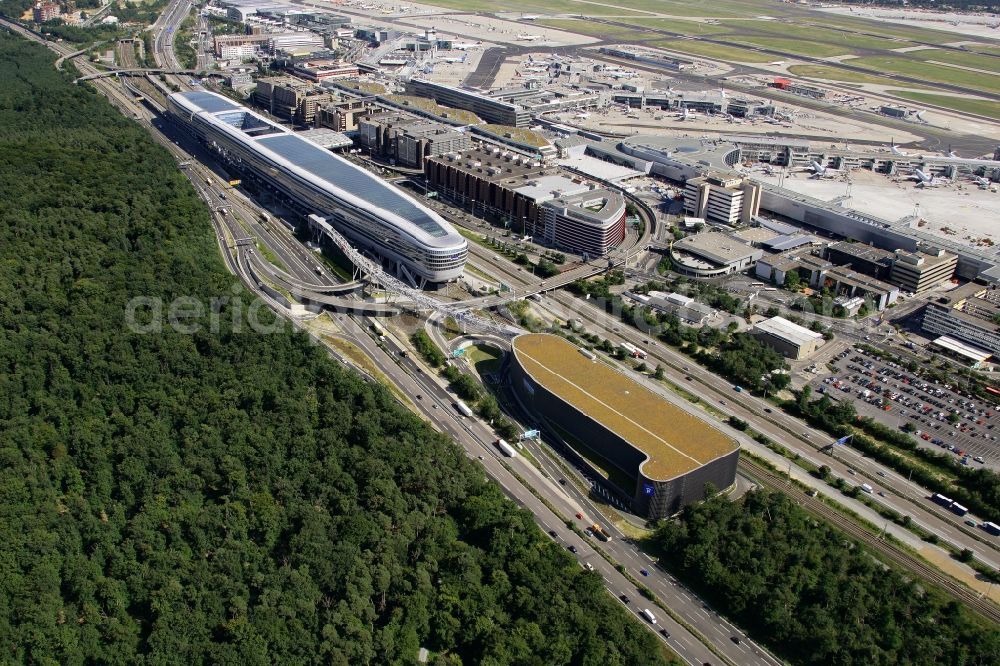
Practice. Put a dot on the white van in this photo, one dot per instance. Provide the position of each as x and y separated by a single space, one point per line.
646 613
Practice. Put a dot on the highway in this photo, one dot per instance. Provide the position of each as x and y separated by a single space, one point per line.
415 379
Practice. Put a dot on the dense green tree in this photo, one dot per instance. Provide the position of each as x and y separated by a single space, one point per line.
811 594
224 496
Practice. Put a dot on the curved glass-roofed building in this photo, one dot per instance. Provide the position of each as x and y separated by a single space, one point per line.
371 213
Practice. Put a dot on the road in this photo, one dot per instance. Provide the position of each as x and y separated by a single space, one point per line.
163 30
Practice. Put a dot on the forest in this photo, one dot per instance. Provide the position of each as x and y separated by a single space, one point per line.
225 496
815 597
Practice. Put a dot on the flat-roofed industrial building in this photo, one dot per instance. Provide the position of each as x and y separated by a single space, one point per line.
787 337
668 453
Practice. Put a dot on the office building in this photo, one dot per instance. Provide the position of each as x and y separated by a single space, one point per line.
865 259
590 222
917 272
302 41
45 11
969 314
408 140
820 274
238 47
720 197
343 114
322 69
487 180
292 98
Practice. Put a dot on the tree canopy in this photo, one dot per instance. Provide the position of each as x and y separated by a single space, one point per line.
225 496
811 594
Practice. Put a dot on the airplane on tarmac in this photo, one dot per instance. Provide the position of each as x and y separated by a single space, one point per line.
895 150
527 38
983 183
926 180
818 170
582 115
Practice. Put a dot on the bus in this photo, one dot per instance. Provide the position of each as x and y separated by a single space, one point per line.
938 498
378 329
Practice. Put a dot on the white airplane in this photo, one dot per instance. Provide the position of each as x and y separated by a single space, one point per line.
926 180
686 114
983 183
895 150
818 170
582 115
951 153
529 17
527 38
722 93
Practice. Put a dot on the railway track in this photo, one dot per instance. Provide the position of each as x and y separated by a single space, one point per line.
887 550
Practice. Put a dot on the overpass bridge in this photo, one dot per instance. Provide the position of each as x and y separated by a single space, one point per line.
258 267
145 71
416 299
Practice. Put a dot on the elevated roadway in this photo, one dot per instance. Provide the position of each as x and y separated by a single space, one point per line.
137 71
265 270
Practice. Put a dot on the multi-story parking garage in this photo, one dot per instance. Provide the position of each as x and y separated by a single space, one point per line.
667 453
368 211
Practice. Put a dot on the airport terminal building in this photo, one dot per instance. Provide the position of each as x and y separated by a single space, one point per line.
666 453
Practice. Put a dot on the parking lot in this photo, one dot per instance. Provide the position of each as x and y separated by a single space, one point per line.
942 417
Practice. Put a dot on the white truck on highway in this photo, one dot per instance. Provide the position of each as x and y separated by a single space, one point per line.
648 614
506 448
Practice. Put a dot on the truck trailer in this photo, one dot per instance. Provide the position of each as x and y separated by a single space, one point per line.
506 448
